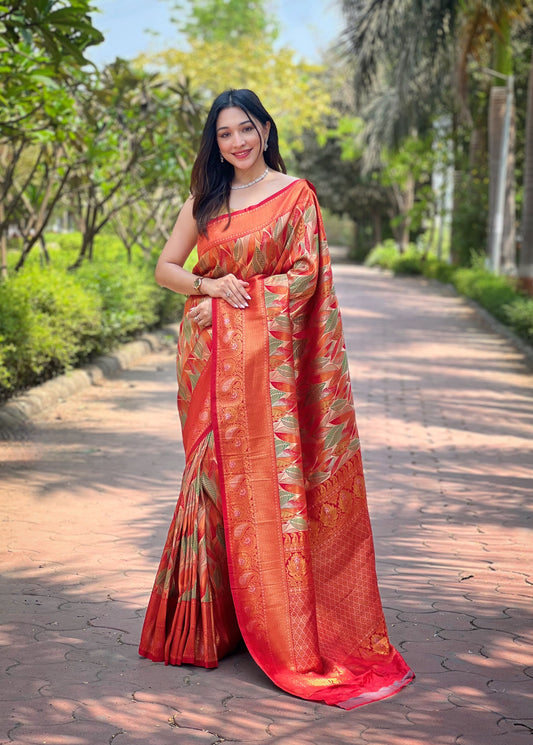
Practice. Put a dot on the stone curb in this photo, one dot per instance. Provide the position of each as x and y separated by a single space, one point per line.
19 411
520 344
491 322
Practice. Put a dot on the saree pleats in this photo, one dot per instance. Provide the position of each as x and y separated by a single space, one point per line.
273 503
190 616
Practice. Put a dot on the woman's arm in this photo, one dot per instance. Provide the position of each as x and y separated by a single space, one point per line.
170 273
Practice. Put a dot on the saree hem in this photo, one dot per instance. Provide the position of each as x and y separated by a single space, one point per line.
379 695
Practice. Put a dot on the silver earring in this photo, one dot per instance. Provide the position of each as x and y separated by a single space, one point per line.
221 158
265 147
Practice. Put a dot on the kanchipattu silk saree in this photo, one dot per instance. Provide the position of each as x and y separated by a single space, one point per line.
271 537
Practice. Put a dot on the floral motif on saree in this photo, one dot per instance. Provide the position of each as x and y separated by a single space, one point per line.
272 449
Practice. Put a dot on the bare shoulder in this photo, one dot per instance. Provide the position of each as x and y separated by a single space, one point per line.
282 179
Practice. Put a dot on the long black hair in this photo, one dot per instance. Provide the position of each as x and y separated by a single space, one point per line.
210 178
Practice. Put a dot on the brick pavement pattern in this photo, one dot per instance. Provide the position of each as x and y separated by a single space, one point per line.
445 411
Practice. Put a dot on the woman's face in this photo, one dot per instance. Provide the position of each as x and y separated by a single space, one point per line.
238 139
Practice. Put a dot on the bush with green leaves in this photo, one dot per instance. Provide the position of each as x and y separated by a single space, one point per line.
411 262
498 294
520 316
48 321
491 291
130 300
383 255
52 319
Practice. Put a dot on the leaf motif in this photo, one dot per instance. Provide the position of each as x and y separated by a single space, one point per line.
283 322
344 366
270 298
280 445
289 421
278 228
299 347
310 214
331 323
276 395
298 523
334 435
210 487
238 250
293 472
284 497
317 477
286 371
274 344
338 405
301 283
258 261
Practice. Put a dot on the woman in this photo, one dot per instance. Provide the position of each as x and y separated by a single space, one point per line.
271 538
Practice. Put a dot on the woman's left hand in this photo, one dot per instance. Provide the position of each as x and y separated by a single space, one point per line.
202 314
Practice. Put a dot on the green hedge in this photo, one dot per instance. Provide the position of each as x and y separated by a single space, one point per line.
52 319
497 294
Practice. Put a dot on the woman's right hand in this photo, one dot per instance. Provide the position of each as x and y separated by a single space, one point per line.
229 288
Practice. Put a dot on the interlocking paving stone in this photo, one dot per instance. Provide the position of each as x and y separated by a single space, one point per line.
87 491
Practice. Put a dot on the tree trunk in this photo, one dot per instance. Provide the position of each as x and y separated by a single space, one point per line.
497 108
377 233
3 247
406 200
525 266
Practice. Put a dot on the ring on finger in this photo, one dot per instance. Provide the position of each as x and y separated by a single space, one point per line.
228 293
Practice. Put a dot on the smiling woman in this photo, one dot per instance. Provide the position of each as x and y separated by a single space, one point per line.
271 539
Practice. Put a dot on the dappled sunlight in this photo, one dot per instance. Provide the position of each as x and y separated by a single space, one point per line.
446 439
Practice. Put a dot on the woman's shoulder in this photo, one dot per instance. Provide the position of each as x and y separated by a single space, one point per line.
283 180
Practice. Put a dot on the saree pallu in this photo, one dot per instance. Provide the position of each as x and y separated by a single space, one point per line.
271 538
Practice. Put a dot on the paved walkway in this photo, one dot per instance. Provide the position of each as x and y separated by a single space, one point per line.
445 410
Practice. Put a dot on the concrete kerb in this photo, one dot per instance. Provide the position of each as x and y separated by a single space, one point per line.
19 411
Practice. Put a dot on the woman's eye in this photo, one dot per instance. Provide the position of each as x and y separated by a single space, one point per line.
248 129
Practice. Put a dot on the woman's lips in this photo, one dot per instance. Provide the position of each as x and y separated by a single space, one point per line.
243 154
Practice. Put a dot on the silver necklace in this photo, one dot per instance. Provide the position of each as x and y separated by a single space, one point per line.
251 183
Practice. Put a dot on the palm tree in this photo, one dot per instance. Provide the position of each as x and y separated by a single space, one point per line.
404 39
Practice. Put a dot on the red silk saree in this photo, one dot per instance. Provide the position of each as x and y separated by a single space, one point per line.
271 537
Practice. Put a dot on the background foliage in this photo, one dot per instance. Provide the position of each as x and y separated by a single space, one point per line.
393 130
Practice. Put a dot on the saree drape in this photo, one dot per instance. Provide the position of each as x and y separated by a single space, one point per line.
271 538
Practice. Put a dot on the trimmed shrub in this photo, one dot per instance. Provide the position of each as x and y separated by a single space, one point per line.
520 315
48 321
439 270
52 319
489 290
411 263
383 255
130 300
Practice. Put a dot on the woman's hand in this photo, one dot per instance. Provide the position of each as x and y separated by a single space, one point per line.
202 314
229 288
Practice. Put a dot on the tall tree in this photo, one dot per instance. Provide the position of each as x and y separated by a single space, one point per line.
402 39
41 43
139 133
232 45
525 266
